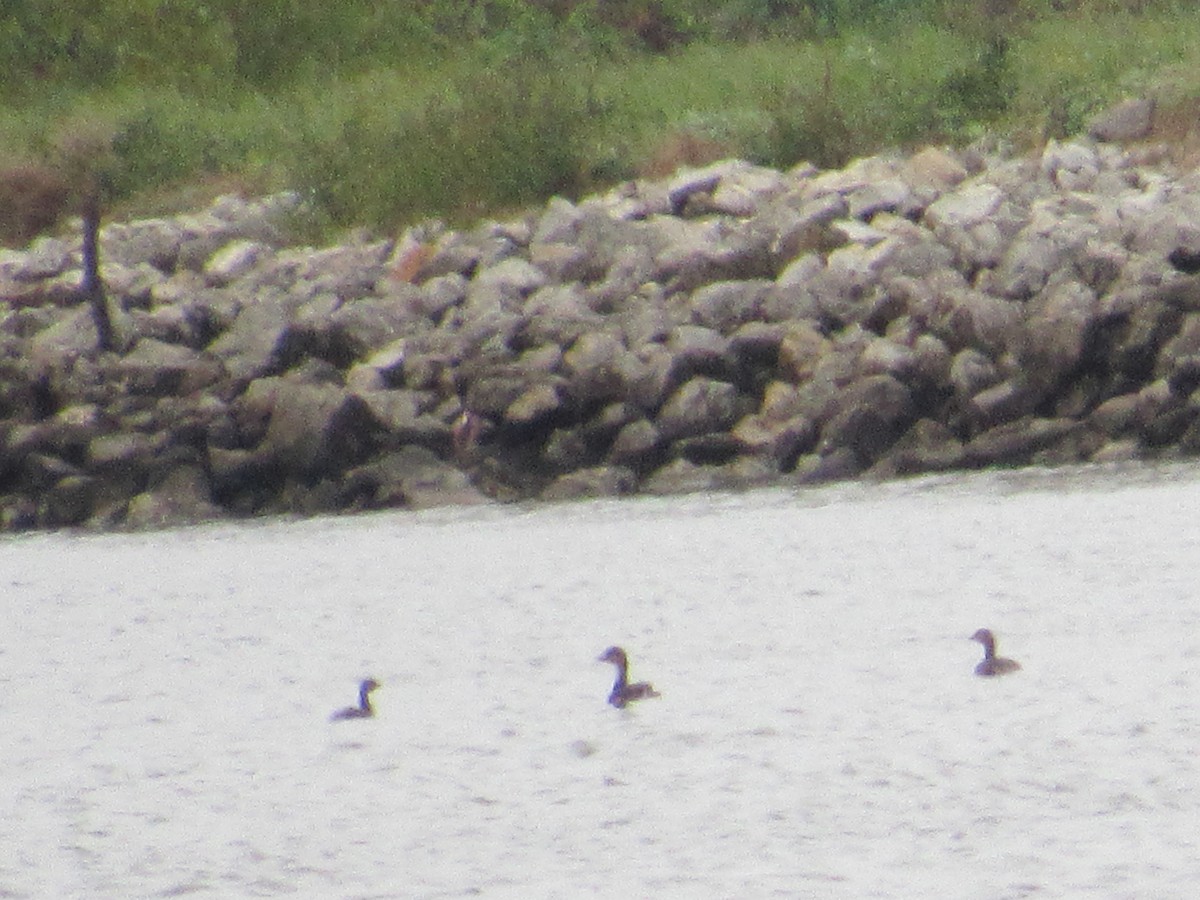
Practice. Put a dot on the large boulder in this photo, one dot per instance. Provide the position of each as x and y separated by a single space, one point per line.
411 477
699 406
867 417
162 369
313 430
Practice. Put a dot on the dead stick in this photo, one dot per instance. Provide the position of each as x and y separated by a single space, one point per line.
93 287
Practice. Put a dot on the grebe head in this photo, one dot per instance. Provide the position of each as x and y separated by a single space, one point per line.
614 655
985 637
367 686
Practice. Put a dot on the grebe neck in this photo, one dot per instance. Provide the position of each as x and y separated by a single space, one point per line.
622 675
364 701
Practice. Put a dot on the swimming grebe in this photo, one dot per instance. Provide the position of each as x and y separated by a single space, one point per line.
623 692
991 663
363 710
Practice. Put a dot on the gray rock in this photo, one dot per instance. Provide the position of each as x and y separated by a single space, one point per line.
249 346
598 367
414 478
313 430
965 208
69 501
599 481
635 443
690 182
161 369
971 372
696 349
706 254
46 258
184 497
1129 120
1014 443
928 446
1118 415
538 403
154 242
71 335
800 351
680 477
1054 338
504 284
867 417
1072 166
725 306
891 195
781 441
933 171
967 318
1003 402
701 405
361 326
233 261
815 468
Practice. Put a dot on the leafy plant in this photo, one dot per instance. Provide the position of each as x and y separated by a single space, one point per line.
808 125
496 140
981 91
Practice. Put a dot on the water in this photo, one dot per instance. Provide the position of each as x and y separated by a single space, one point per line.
165 698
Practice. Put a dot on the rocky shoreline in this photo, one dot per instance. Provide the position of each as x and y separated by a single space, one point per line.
729 326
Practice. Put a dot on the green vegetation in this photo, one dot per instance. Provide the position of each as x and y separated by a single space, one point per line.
386 111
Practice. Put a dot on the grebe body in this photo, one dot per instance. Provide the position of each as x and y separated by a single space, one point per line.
623 692
363 710
991 664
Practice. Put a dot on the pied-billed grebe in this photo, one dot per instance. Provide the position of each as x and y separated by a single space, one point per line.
363 710
623 692
991 664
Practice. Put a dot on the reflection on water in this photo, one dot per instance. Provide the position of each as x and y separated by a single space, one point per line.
820 733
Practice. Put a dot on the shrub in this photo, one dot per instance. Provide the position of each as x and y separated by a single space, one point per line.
32 197
160 144
809 125
86 43
978 93
498 139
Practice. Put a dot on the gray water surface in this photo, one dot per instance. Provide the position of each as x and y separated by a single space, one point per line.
166 696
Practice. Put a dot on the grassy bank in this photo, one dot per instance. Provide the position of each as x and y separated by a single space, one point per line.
510 118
